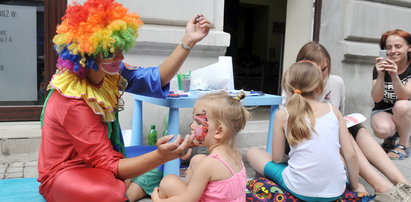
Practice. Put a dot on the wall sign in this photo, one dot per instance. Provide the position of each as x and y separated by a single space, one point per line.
18 53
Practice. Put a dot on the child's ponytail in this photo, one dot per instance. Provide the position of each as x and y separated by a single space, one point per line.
301 80
298 111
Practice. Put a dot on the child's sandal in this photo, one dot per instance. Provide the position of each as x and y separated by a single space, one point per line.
401 156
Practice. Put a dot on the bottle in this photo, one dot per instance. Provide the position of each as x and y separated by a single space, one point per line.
152 136
165 126
165 131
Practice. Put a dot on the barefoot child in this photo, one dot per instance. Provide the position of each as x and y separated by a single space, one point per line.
220 176
316 133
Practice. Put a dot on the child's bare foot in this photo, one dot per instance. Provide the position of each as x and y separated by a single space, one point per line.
360 189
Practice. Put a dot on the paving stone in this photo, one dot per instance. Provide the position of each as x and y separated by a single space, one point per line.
31 163
3 167
30 174
30 169
14 175
14 169
17 164
26 163
2 171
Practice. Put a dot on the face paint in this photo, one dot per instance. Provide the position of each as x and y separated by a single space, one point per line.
201 130
111 62
111 68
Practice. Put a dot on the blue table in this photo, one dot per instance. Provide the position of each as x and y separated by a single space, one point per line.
175 103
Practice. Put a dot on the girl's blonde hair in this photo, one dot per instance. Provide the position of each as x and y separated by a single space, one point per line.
302 79
228 112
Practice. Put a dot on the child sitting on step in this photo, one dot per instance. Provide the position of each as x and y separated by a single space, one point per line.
316 133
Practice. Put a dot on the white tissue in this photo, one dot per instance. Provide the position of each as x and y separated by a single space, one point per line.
215 76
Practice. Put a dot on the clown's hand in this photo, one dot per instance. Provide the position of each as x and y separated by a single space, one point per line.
196 29
195 143
179 148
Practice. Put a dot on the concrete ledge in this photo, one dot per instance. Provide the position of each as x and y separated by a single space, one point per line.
19 146
19 137
19 130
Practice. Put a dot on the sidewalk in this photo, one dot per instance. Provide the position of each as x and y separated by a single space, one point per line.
25 166
18 166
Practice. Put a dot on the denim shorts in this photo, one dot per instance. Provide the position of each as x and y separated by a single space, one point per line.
388 110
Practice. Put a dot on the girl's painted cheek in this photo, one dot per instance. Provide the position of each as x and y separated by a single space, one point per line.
200 133
201 130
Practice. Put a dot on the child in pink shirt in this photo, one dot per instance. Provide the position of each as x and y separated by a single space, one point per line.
220 176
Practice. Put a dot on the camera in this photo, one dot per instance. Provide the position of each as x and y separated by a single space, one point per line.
383 54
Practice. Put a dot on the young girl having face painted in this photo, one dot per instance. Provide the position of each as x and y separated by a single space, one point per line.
220 176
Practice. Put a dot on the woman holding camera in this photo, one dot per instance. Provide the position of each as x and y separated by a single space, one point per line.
391 93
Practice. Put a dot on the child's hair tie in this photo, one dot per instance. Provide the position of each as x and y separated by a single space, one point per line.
297 91
309 61
240 96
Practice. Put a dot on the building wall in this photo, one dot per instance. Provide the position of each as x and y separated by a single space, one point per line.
298 28
351 30
163 29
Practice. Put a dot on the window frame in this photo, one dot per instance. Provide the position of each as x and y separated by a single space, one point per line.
53 11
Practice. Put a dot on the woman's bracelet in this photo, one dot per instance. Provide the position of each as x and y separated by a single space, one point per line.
183 45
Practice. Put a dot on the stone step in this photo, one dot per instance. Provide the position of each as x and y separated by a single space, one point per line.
254 134
19 138
27 138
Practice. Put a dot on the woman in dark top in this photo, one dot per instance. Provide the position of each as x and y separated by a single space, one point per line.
391 92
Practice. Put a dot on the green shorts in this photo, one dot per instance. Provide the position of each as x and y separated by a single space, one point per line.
149 180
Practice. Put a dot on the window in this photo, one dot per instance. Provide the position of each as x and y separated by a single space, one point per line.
27 57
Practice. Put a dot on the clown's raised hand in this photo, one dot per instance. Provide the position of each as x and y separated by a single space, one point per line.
196 29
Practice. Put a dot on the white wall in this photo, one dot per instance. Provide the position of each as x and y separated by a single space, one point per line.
298 28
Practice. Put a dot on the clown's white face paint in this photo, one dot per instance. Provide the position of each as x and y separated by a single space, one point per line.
111 68
111 63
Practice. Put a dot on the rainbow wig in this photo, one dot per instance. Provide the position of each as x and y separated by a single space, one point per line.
97 26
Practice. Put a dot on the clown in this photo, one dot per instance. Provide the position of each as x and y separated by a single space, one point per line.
81 156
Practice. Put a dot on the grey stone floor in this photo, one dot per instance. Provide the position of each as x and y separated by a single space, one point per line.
17 159
25 166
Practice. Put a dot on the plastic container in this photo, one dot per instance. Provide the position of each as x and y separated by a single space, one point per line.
152 136
184 81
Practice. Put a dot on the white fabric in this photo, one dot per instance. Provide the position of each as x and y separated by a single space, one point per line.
315 168
334 92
